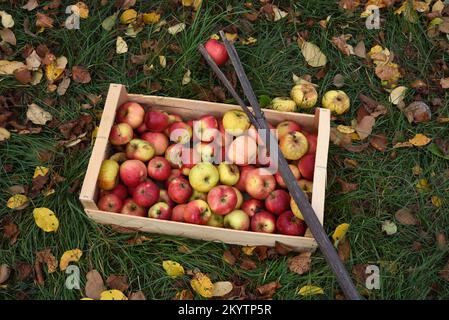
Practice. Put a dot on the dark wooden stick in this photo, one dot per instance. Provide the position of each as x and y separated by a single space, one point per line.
298 195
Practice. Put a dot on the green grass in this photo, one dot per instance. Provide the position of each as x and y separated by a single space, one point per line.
386 182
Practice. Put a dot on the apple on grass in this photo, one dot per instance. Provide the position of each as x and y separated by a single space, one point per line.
159 168
131 113
280 180
287 126
237 220
133 172
306 166
216 220
287 223
304 95
229 173
179 190
217 51
121 134
164 197
180 132
203 176
110 202
130 207
277 201
284 104
236 122
252 206
293 145
146 194
178 213
205 128
158 140
263 222
139 149
197 212
160 210
337 101
222 199
259 183
156 121
108 176
243 175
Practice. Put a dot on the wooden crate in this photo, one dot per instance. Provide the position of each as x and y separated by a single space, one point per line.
192 109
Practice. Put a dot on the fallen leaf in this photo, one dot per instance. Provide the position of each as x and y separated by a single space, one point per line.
63 86
417 111
360 50
300 264
389 227
444 82
365 127
282 249
349 5
397 95
45 256
405 216
345 129
312 53
128 16
44 21
444 273
229 258
121 45
4 134
340 233
347 187
23 270
46 219
388 72
248 250
419 140
81 9
417 170
18 202
109 22
405 144
5 272
339 80
112 295
52 72
162 61
310 291
440 241
8 67
359 272
8 36
33 61
94 285
379 142
248 41
177 28
340 43
23 75
37 115
423 185
222 288
344 250
69 256
202 285
151 17
173 268
31 5
183 295
80 74
436 201
138 295
7 20
117 282
268 290
278 13
186 78
10 231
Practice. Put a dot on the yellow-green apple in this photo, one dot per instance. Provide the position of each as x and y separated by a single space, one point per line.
222 199
239 198
164 197
312 139
146 194
280 180
287 126
110 202
235 122
304 95
159 168
130 207
283 104
121 134
178 213
133 172
198 195
174 173
179 190
160 210
277 201
259 183
336 101
131 113
120 157
217 51
203 176
293 145
287 223
306 166
139 149
156 120
237 220
216 220
252 206
206 151
173 155
108 176
229 173
241 184
306 185
263 221
294 208
180 132
205 128
242 151
197 212
158 140
189 157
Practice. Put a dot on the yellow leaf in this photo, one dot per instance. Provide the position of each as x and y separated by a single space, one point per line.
231 36
248 250
186 78
46 219
340 232
18 202
278 13
8 67
310 291
162 61
69 256
128 16
423 185
4 134
397 95
419 140
121 45
312 53
248 41
177 28
112 295
345 129
49 192
438 6
202 285
437 201
405 144
151 17
132 30
215 36
7 20
173 268
52 72
40 171
109 22
192 3
81 9
417 170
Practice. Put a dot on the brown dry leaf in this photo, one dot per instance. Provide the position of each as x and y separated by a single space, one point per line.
365 127
406 216
349 5
31 5
46 257
417 111
94 285
229 258
261 252
444 273
444 82
300 264
441 241
80 74
379 142
282 249
44 21
183 295
10 231
359 272
346 186
138 295
344 249
5 272
23 75
268 290
8 36
340 43
405 144
419 140
247 264
63 86
351 163
251 16
117 282
388 72
23 270
138 239
360 50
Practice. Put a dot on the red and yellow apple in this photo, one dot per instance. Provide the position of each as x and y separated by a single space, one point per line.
293 145
139 149
146 194
222 199
259 183
197 212
263 222
237 220
121 134
108 176
131 113
179 190
236 122
158 140
160 210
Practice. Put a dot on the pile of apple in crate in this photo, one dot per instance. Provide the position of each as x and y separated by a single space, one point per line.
165 167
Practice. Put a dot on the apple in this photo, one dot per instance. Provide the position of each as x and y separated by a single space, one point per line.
197 212
237 220
160 210
179 190
173 155
131 190
261 135
239 198
293 145
206 128
222 199
294 208
241 184
285 127
108 176
173 117
180 132
252 206
280 180
287 223
206 151
146 194
217 51
304 95
203 176
306 185
120 134
277 201
120 157
306 166
121 191
189 157
158 140
198 195
131 113
242 151
235 122
164 197
174 173
312 139
110 202
336 101
259 183
159 168
229 173
139 149
156 121
283 104
216 220
263 222
178 213
130 207
224 139
142 128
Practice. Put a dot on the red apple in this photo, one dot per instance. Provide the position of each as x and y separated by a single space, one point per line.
164 197
206 128
121 134
252 206
285 127
237 220
217 51
110 202
159 168
180 132
280 180
173 117
158 140
131 113
259 183
174 173
139 149
133 172
206 151
189 157
160 210
121 191
241 184
277 201
197 212
312 140
306 166
179 190
222 199
156 121
290 225
178 213
146 194
173 155
263 222
142 128
131 208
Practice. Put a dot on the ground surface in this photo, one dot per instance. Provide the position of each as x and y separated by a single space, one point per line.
409 260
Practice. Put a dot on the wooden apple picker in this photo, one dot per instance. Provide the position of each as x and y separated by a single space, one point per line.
258 120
